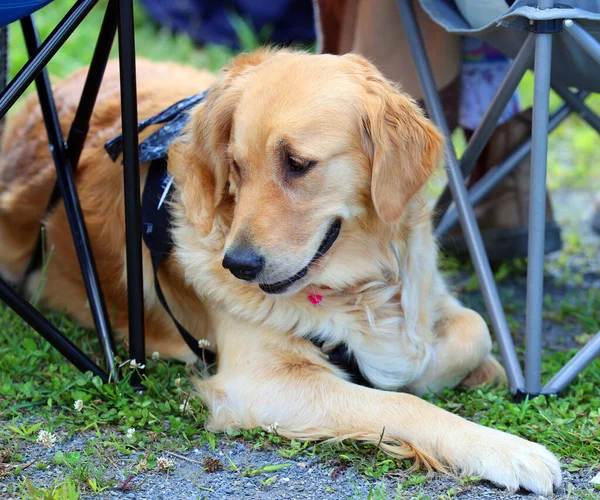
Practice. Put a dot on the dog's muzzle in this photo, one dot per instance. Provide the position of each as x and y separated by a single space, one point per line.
328 241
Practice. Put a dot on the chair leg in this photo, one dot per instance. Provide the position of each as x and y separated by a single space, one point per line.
132 187
592 349
4 68
81 121
492 178
71 200
574 367
537 214
586 41
576 102
488 124
80 126
459 193
47 330
51 44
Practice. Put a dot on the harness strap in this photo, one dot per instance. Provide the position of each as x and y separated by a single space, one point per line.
341 357
155 146
156 225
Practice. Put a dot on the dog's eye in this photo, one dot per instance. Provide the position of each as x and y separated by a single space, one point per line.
236 168
298 165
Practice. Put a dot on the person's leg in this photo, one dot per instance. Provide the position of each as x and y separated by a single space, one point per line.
503 215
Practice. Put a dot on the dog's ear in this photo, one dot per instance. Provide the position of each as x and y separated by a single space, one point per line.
403 146
202 169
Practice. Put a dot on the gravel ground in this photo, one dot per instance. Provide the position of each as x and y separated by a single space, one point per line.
306 477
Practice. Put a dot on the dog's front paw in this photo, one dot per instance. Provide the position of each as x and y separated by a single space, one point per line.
514 463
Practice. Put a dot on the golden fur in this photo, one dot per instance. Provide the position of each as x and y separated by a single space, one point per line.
372 150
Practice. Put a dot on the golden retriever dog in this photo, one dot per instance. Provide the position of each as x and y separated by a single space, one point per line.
297 216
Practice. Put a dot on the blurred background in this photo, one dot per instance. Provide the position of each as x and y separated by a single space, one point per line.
202 33
207 33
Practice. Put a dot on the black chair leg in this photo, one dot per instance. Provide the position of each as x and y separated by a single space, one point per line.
47 330
71 200
81 121
80 126
132 187
51 44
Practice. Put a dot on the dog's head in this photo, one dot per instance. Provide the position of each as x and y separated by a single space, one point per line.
304 146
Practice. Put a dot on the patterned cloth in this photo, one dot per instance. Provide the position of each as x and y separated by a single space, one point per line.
483 70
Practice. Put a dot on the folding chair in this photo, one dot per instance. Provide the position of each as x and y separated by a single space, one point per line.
118 17
563 43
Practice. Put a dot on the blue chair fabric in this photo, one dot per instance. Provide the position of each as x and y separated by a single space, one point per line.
13 10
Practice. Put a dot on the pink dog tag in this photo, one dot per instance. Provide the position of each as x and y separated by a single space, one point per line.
315 299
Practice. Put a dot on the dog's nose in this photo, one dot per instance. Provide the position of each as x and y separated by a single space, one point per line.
243 262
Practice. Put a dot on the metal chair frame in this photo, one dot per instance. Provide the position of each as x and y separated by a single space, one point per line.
118 18
537 49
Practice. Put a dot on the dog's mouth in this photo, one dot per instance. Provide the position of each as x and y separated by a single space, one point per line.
326 244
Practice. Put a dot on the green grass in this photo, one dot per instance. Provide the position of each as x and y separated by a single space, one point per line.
38 388
38 391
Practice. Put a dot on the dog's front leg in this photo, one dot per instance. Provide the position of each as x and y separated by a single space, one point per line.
271 380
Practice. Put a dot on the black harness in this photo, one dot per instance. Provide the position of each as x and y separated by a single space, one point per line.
156 198
156 224
157 220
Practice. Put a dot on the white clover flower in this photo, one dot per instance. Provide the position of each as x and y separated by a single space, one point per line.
134 365
155 356
46 439
203 344
165 464
130 434
178 382
273 428
142 465
78 405
185 408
